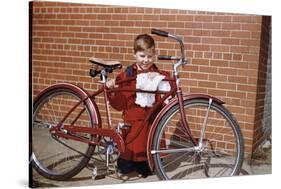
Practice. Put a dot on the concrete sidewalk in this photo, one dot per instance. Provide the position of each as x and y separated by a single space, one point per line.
261 165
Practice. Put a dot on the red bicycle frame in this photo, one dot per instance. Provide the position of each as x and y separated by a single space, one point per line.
67 131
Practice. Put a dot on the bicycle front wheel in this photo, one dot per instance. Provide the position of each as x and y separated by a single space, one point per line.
54 157
221 150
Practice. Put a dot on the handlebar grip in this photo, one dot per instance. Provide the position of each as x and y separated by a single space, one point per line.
159 32
164 57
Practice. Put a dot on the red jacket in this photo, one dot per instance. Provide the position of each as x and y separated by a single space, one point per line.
133 114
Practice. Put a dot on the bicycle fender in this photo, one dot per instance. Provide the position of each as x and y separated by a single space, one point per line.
84 96
162 113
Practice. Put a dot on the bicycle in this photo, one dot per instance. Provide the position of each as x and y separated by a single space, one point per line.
193 136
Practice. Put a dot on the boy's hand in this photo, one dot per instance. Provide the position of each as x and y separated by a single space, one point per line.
110 83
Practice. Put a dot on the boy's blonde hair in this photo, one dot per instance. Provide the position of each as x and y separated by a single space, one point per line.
144 42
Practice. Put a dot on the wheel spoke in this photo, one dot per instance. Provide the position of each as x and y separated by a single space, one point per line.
173 150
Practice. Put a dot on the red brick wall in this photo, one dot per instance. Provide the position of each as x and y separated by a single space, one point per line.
259 134
223 49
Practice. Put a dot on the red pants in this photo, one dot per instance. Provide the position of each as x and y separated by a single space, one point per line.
136 140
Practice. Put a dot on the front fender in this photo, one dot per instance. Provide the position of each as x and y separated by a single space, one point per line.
161 114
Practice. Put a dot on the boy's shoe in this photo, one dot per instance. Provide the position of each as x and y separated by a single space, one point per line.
143 169
125 166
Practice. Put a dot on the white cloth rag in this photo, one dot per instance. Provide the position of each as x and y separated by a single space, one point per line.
150 81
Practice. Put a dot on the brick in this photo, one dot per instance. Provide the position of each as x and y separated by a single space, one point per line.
199 76
211 40
207 84
222 18
217 77
237 57
198 54
234 94
158 24
227 41
250 42
208 55
220 33
227 56
200 61
231 26
193 25
140 10
109 17
201 47
239 49
127 23
168 17
216 92
248 88
243 19
150 17
241 34
176 24
255 34
226 86
211 26
219 63
251 27
204 18
135 17
250 58
185 18
63 16
219 48
217 55
90 16
227 71
236 79
201 32
198 90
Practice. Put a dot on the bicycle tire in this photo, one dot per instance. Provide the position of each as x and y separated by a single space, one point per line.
223 156
46 160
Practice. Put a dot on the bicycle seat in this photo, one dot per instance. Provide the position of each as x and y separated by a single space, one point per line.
106 63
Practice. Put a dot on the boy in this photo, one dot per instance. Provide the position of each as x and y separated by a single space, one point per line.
135 158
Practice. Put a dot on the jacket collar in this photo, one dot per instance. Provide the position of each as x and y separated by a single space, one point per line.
152 68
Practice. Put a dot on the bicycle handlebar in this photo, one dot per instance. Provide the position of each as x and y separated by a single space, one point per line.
160 32
178 39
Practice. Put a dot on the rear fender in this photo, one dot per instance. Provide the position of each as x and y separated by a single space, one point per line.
162 113
84 95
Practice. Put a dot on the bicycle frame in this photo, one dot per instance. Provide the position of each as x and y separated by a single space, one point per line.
62 130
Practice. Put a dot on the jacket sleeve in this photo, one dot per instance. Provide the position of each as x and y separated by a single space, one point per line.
118 100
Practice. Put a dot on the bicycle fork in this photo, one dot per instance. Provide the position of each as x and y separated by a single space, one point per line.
183 118
203 129
197 143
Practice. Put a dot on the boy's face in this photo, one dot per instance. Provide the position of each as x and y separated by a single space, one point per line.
144 59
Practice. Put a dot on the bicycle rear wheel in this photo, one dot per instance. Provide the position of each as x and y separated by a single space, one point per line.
54 157
176 157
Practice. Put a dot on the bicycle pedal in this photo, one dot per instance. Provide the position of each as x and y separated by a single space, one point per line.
98 177
98 174
124 126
